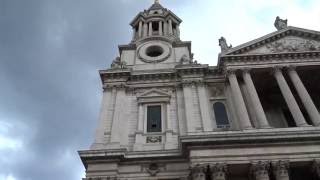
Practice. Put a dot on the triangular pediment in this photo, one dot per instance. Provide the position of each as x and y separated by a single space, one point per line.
290 39
153 93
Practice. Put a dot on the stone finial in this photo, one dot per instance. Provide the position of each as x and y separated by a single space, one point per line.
280 23
223 44
157 1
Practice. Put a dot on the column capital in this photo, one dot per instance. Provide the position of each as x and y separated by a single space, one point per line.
219 171
280 168
260 169
316 167
198 172
219 167
231 72
291 68
246 70
276 69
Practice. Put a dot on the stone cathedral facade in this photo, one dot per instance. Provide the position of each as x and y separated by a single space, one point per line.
164 116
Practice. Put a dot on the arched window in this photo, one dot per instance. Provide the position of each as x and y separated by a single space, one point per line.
221 115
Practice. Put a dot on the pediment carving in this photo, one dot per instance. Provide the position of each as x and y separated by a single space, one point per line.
287 40
288 44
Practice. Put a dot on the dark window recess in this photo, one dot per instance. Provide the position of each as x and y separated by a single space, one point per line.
155 26
154 119
221 115
288 117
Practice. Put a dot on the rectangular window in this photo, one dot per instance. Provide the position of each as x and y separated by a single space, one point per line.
154 118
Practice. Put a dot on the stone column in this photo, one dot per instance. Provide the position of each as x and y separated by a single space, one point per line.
178 31
145 30
239 102
165 28
261 116
204 108
289 98
316 168
280 170
134 33
198 172
140 29
160 28
219 171
260 170
304 96
170 27
150 28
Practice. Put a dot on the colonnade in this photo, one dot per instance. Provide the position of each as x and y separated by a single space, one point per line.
165 28
277 72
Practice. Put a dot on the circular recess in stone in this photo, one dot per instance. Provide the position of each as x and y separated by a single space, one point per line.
154 52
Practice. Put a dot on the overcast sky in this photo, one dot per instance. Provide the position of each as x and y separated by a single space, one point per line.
51 51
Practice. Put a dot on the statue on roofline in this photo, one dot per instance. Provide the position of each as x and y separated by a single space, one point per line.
118 64
280 23
223 44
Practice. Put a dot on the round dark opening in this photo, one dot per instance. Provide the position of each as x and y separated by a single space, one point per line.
154 51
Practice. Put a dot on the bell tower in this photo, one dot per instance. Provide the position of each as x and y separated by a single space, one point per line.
156 40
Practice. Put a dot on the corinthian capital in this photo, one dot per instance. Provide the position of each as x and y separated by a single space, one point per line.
260 169
219 171
280 168
198 172
316 167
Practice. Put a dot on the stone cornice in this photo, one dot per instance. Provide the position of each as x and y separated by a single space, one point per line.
279 57
273 37
260 137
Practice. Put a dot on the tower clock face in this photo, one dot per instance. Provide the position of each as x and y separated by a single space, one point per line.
154 52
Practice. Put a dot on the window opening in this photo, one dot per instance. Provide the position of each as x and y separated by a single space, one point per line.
154 118
221 115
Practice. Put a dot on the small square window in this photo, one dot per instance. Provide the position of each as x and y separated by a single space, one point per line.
154 118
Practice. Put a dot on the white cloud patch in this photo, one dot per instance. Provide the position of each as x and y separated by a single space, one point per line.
7 177
7 142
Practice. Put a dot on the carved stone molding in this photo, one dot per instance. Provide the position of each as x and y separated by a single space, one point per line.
153 169
154 139
260 169
285 45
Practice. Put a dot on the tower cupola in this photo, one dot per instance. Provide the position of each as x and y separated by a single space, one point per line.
156 21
